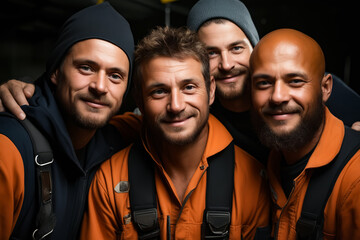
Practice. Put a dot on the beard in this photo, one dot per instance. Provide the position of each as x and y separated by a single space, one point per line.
92 118
232 91
174 136
292 140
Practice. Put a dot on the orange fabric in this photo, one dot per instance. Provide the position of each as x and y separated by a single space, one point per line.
11 186
342 211
128 124
108 214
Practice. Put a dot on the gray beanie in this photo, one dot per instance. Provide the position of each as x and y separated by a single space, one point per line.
233 10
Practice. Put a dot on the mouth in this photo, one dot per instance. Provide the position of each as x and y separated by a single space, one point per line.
95 103
281 115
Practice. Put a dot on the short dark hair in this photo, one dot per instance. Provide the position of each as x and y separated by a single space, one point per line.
169 42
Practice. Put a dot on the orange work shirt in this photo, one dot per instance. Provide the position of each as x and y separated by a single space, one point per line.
342 211
109 214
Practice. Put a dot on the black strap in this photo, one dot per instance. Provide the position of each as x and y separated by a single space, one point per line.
219 194
310 223
143 193
45 219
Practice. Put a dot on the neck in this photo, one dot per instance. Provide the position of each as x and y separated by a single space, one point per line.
181 162
241 104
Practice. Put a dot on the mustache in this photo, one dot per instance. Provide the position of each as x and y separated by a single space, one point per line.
281 109
95 98
221 74
173 117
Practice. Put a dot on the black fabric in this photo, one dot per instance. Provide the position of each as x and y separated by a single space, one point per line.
241 129
289 172
143 192
219 194
43 157
344 103
322 181
96 22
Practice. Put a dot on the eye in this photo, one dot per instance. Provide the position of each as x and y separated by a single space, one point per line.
237 49
212 53
116 77
296 82
158 93
85 68
262 84
189 88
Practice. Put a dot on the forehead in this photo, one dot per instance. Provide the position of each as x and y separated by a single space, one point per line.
167 69
221 33
100 51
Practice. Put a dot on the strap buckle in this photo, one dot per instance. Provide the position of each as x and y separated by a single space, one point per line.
42 164
41 237
307 227
218 223
147 222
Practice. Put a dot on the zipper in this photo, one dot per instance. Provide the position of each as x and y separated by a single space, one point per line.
282 210
168 229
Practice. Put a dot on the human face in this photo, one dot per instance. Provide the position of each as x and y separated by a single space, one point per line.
229 52
175 99
91 82
287 97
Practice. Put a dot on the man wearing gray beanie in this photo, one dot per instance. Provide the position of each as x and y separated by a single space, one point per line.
86 78
226 28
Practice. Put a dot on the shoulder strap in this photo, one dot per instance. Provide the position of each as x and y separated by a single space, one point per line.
219 194
310 223
143 192
45 219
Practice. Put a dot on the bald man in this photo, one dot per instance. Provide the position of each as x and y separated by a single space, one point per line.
289 91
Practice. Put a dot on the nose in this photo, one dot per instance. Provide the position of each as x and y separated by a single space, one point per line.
176 102
99 83
226 62
280 93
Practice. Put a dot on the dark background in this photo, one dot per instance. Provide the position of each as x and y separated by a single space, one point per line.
29 28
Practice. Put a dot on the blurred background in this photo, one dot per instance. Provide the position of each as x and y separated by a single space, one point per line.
30 27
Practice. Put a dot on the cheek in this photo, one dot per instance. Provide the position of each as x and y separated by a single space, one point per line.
214 63
259 99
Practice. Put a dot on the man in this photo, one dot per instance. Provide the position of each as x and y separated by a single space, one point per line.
289 91
230 35
179 138
86 78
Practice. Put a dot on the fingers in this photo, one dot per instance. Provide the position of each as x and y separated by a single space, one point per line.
12 97
356 126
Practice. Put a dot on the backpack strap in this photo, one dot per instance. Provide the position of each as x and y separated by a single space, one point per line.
219 194
143 192
45 219
310 223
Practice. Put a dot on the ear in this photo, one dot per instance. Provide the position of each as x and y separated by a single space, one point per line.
54 77
326 86
212 90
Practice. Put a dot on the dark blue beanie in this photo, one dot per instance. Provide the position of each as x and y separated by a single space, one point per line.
95 22
232 10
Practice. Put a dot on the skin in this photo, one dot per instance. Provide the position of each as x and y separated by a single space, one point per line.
175 105
229 51
287 78
90 85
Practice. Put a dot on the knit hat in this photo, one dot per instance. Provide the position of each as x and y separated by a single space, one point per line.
95 22
233 10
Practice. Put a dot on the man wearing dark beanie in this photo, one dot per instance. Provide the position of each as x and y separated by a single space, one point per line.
230 35
86 78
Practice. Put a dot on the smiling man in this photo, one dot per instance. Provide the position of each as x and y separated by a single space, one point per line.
289 91
83 86
180 142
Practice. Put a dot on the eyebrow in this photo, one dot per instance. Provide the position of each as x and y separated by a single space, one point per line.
288 75
158 84
243 42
